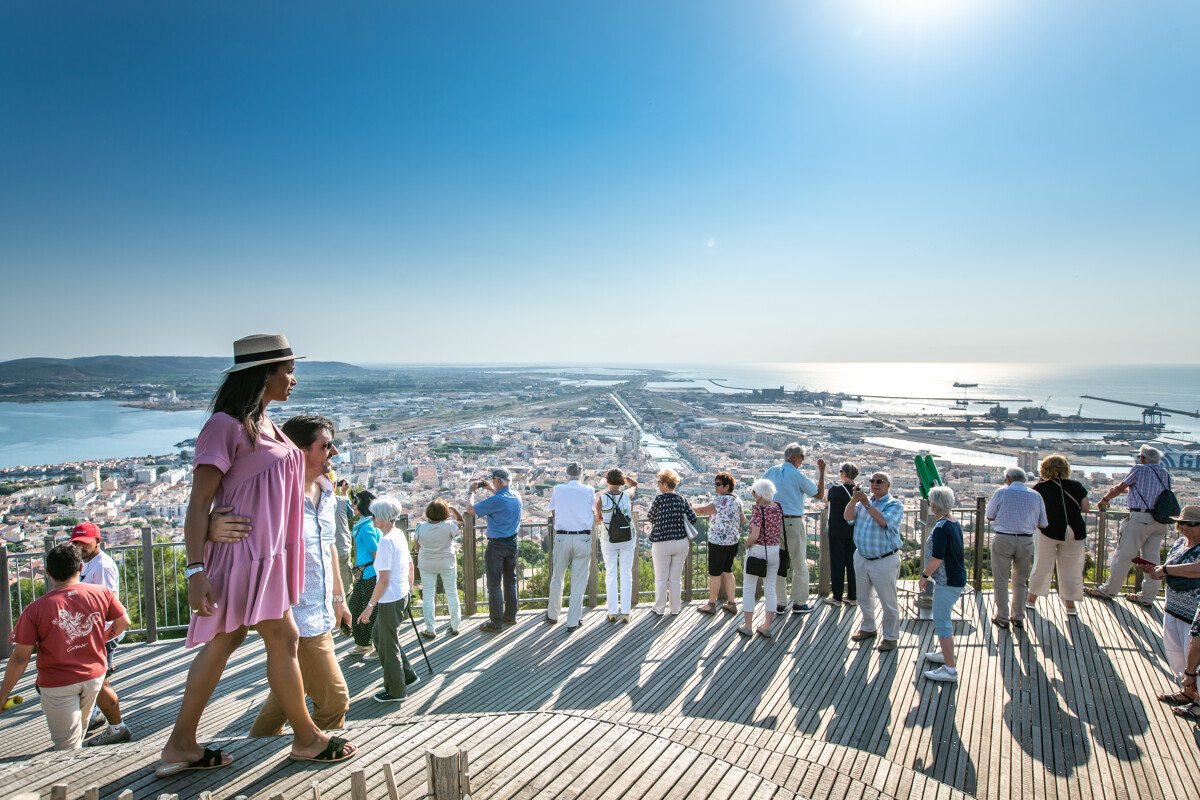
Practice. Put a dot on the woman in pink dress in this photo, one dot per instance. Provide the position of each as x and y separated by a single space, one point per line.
244 461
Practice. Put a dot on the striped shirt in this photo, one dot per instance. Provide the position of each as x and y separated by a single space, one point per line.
1146 482
872 539
1017 509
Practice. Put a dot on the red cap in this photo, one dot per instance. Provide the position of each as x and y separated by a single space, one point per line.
84 532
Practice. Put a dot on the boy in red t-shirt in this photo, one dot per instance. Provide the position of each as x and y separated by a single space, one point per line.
67 624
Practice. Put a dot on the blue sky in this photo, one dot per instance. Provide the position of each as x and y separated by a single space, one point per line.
684 180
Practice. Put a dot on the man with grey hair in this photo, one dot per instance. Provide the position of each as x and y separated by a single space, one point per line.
572 505
1016 513
791 488
876 519
1141 534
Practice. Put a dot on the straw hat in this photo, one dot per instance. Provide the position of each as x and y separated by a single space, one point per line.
1188 514
259 349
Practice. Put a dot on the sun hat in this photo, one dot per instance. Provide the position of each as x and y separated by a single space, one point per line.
260 348
1188 514
85 532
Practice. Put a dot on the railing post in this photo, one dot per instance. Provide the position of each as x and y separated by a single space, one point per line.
6 619
824 586
636 585
980 538
688 566
594 569
149 590
925 600
1101 546
470 587
550 541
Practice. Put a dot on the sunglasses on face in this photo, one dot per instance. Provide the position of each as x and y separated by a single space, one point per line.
1183 524
877 480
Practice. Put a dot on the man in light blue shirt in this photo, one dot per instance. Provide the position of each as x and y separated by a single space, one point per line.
877 519
792 487
503 513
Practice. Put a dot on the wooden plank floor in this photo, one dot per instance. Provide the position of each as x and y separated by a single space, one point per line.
1064 709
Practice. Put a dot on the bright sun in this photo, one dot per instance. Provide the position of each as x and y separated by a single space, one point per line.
920 17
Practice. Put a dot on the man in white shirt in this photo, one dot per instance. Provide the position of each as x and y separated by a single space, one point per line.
101 570
572 505
1016 512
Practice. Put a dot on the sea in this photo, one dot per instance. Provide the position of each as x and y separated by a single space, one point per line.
55 433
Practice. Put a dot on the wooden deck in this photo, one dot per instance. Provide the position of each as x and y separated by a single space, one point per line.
684 707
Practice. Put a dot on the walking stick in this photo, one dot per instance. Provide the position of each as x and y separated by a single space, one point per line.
418 633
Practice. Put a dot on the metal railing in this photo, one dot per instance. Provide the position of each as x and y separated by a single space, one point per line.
154 592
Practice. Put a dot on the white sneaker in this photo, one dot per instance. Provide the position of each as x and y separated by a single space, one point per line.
373 655
935 657
942 674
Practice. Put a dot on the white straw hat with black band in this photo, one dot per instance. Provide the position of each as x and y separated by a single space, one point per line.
259 349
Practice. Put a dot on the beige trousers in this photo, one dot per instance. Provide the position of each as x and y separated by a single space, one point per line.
797 545
323 682
67 709
1067 556
878 577
571 551
1011 555
1140 536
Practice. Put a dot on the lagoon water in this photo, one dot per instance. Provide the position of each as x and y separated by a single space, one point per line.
54 433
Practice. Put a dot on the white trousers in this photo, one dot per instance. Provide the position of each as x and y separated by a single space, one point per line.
1177 635
449 577
669 559
574 551
618 574
879 577
1067 556
750 582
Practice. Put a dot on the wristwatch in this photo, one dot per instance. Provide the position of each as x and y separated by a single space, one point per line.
190 571
339 598
370 604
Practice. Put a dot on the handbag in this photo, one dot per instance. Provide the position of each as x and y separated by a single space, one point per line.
785 557
756 566
690 529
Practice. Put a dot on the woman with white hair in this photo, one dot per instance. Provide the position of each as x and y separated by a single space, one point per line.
946 566
762 556
393 582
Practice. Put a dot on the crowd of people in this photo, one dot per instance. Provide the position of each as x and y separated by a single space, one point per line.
270 537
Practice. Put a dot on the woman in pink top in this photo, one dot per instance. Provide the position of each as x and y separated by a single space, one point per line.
243 461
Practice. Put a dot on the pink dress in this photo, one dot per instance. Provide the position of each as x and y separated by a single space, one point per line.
261 576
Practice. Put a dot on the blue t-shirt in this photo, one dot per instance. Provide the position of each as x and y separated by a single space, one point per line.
791 487
366 542
946 543
503 512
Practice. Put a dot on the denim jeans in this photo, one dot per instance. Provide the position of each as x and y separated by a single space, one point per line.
944 598
500 560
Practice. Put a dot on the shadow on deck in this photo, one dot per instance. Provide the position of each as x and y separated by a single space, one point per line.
1063 709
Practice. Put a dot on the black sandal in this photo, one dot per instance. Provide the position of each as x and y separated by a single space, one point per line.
335 750
1175 699
1189 712
212 759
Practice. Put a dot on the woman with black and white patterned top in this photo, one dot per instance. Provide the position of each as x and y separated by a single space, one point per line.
669 544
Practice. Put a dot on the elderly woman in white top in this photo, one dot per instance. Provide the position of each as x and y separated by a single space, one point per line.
618 542
434 544
393 584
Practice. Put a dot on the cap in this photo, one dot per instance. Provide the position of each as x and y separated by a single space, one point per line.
502 474
85 532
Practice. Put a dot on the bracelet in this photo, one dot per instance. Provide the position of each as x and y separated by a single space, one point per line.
1189 674
193 564
339 598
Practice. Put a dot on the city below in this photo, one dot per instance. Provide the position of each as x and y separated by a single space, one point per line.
434 438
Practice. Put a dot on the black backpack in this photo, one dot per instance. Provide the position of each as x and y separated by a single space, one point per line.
1167 504
619 529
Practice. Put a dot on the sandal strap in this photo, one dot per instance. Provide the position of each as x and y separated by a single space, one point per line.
211 758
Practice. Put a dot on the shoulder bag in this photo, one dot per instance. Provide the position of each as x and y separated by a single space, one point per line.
785 556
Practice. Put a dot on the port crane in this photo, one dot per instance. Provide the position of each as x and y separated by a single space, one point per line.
1152 416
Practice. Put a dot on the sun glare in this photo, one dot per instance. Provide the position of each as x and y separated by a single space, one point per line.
916 17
